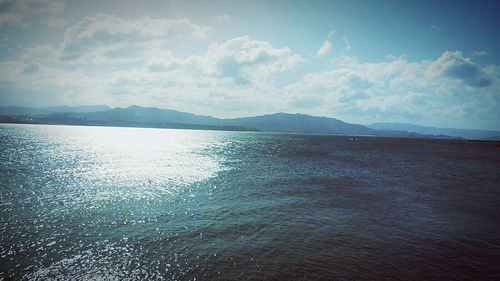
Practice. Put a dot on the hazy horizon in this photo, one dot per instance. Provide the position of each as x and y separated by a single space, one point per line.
420 62
262 114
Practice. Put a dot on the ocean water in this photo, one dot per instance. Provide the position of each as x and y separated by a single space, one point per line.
101 203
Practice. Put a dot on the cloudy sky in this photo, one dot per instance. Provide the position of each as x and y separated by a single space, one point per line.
425 62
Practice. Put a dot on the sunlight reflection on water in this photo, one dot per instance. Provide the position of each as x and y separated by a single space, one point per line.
88 188
152 162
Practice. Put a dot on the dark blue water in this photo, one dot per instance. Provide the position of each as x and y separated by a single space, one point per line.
80 203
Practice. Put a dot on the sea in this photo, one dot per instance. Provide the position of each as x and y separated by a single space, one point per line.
109 203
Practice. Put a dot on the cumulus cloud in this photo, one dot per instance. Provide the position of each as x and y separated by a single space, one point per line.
455 65
110 33
244 59
411 91
324 49
240 61
23 12
336 87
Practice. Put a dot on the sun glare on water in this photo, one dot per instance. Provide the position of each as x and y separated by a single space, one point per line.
151 162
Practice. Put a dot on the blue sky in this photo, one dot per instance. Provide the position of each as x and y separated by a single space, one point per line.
425 62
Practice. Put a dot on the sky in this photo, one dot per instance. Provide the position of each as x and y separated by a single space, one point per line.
433 63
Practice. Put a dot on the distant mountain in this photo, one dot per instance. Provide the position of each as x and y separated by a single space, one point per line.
279 122
138 116
301 123
147 115
461 133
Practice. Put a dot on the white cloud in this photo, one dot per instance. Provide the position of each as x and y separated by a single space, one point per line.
480 53
245 60
106 33
324 49
455 65
398 90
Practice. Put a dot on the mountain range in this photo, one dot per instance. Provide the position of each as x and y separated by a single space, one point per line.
138 116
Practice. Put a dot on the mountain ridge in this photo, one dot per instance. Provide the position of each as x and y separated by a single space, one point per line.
140 116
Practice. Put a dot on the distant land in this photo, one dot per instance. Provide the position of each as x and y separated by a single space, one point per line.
460 133
138 116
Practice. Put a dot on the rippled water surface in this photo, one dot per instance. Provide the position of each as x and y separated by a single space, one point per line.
80 203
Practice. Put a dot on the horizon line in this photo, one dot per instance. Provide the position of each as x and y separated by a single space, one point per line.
264 114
